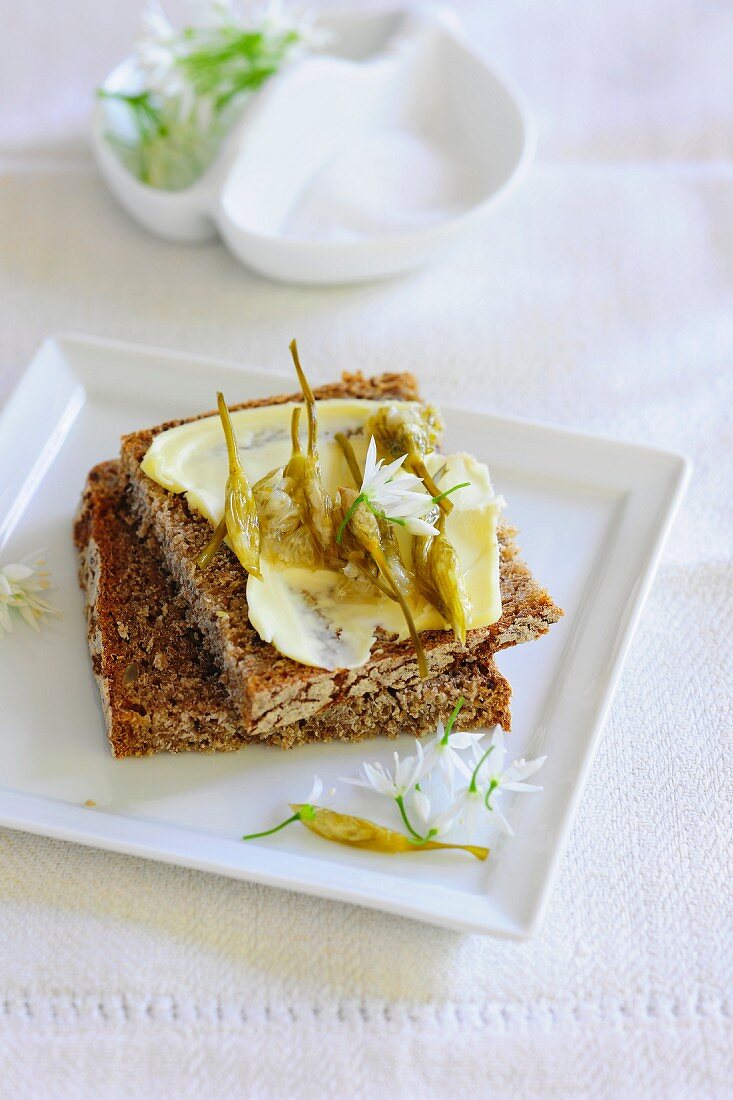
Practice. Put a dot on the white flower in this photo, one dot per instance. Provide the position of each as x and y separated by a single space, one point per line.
315 791
155 47
421 803
20 585
158 51
155 24
457 754
213 13
507 779
277 19
400 500
520 770
443 754
466 809
406 774
314 795
433 824
490 779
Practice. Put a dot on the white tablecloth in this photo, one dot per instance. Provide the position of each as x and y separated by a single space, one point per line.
598 297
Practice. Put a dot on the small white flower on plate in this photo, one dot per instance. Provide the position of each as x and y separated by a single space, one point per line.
434 824
443 755
511 778
20 586
421 802
395 784
315 791
489 779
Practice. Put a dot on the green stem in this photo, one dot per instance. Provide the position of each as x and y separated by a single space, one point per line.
348 453
294 430
345 522
383 566
415 836
226 423
424 840
441 496
209 552
383 515
422 471
492 787
472 786
451 721
275 829
310 401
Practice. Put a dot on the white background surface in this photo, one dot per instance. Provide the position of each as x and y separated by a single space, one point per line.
598 297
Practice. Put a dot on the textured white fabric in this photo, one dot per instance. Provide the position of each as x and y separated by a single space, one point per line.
598 297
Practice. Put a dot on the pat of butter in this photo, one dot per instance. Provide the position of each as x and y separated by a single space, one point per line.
303 613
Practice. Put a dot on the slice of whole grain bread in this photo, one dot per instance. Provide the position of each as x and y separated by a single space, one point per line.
160 688
271 691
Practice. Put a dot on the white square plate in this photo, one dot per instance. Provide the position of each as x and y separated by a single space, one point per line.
593 515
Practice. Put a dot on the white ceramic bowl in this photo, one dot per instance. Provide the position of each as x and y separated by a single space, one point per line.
358 163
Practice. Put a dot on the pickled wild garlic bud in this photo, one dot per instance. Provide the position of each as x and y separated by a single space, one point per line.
295 467
440 580
240 511
357 582
284 537
359 531
281 508
317 514
401 575
406 429
358 832
356 566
